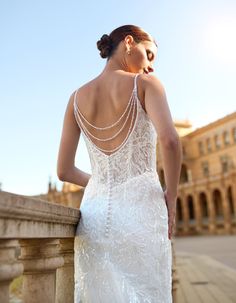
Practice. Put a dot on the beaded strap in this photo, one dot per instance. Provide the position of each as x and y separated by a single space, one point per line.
131 105
122 143
106 127
116 134
112 125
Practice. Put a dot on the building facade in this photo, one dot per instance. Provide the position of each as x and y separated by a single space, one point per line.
206 202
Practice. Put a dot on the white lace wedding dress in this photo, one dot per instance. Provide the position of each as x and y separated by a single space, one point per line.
122 250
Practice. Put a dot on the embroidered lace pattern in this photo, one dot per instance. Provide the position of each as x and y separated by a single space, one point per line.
122 250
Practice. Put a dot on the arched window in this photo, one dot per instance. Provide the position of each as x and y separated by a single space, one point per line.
203 205
217 202
191 210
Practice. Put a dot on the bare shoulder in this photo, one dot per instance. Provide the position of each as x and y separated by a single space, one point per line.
85 87
80 92
157 107
149 84
151 81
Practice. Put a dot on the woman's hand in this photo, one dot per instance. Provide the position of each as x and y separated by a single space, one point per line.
171 207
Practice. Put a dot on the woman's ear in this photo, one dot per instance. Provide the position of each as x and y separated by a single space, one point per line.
129 41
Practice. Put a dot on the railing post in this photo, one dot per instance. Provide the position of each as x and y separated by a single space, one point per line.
40 258
10 268
65 274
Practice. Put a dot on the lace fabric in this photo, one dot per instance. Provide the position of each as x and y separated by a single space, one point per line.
122 250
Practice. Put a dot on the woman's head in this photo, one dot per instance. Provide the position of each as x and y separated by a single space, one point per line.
131 46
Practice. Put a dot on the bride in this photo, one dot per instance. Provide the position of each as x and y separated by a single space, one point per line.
122 248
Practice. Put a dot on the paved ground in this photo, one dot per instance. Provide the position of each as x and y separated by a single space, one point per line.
220 247
206 269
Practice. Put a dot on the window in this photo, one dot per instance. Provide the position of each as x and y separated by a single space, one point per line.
205 169
234 134
217 141
224 163
200 148
226 137
208 143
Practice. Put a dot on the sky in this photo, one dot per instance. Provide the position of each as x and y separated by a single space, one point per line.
48 49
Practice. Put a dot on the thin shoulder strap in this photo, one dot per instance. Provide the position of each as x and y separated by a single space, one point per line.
135 88
135 83
75 97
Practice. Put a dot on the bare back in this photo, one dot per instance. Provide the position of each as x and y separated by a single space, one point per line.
103 100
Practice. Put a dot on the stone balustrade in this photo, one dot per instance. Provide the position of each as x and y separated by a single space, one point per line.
37 241
43 233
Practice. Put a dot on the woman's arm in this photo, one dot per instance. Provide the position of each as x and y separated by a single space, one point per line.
170 145
66 170
77 176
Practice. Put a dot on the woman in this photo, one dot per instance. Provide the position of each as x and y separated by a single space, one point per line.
123 239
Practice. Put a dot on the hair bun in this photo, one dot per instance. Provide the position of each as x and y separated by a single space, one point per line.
105 45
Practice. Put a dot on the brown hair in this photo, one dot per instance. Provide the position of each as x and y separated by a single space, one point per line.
109 43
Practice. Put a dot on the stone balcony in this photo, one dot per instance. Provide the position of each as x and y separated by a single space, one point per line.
37 242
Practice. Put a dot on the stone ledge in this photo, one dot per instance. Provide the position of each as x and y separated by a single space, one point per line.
25 217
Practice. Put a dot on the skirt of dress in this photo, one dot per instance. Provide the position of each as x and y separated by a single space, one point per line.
129 258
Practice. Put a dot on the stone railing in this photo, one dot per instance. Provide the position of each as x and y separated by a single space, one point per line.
37 242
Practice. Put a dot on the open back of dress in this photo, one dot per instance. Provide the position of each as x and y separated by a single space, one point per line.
122 250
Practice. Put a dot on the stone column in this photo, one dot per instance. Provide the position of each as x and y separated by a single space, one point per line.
198 215
40 258
226 211
211 212
185 215
10 268
234 198
65 274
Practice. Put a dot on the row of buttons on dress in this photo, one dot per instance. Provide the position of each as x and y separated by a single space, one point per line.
108 219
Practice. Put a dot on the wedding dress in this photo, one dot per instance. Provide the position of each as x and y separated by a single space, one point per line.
122 253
